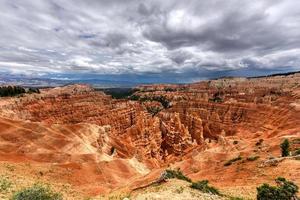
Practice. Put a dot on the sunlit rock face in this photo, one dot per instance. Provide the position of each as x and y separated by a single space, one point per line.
196 112
193 126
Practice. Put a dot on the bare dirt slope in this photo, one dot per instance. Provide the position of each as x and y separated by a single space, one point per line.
97 145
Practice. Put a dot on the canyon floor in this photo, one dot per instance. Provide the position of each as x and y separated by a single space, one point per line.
88 145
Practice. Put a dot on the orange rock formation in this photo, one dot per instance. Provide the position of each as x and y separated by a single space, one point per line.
115 143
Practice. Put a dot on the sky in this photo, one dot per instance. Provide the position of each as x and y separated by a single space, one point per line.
149 40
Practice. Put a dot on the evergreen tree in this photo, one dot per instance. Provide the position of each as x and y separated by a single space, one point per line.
285 148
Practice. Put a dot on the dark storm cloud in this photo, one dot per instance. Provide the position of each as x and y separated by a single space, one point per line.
179 56
139 37
240 26
111 40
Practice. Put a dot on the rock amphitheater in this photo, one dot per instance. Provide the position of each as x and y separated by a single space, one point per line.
87 144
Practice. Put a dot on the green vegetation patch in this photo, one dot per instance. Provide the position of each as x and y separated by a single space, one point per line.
229 162
176 174
36 192
10 91
5 184
204 187
162 99
119 93
285 148
285 190
252 158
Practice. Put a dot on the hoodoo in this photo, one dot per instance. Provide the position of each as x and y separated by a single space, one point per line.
79 136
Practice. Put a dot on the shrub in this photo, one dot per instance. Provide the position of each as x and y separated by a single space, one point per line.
5 184
36 192
229 162
266 192
252 158
204 187
176 174
285 148
286 190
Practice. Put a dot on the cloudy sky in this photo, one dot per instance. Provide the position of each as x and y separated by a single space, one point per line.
158 40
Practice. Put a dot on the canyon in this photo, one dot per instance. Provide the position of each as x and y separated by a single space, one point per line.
95 145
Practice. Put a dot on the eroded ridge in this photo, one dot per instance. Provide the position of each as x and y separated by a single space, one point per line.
107 144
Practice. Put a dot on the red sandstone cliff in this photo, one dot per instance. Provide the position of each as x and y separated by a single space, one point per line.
203 125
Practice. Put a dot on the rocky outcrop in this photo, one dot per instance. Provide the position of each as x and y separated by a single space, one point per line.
110 141
196 112
176 136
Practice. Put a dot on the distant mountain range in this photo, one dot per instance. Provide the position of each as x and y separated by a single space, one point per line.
27 81
50 82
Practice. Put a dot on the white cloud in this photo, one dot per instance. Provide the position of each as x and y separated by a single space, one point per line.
127 36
